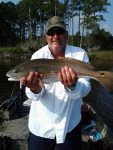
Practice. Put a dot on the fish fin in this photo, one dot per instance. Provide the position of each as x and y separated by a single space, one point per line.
60 57
106 79
77 61
65 58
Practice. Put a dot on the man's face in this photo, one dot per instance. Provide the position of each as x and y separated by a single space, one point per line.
57 39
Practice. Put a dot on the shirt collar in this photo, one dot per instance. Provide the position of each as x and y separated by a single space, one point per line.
67 53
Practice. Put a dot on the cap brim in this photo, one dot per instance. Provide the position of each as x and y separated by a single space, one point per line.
57 25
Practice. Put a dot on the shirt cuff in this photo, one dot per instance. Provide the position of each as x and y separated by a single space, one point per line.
81 89
34 96
73 92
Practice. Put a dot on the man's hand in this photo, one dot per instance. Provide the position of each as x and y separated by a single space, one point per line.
33 81
67 76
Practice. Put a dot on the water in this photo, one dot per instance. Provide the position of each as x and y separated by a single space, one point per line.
6 87
99 98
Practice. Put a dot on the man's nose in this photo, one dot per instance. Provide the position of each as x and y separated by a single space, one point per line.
56 35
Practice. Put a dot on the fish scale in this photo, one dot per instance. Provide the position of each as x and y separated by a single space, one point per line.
50 68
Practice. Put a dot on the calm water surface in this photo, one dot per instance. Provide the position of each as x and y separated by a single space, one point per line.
99 98
6 87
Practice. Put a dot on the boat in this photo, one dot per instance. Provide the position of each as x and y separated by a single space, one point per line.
95 133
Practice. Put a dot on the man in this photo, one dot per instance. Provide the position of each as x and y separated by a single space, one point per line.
55 114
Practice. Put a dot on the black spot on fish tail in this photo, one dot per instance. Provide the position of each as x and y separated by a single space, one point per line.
103 74
106 79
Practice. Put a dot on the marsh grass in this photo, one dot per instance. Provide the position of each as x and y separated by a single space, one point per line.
9 50
103 55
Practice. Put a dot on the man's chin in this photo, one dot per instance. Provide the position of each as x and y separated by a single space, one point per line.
57 48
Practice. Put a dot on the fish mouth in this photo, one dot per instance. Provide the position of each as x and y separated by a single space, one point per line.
8 75
11 78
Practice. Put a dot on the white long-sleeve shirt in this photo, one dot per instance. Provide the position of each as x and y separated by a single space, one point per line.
56 110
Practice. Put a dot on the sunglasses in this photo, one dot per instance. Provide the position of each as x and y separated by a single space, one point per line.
55 31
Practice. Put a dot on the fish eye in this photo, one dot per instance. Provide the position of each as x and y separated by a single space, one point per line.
15 71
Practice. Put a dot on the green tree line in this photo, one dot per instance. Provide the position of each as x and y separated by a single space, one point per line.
26 21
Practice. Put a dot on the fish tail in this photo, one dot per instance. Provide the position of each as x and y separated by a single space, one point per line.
106 79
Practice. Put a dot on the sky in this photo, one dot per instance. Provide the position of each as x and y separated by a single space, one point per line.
107 24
